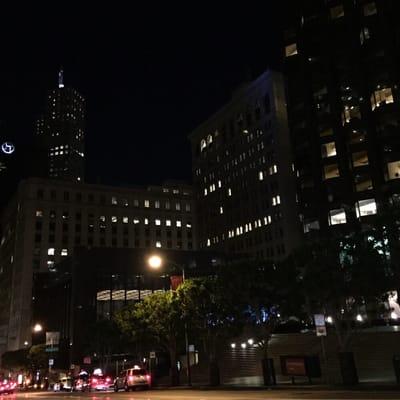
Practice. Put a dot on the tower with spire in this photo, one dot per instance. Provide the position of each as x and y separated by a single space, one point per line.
60 131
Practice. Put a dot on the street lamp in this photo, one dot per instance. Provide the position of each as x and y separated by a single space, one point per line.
37 328
155 262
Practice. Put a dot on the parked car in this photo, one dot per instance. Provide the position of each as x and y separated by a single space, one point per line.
101 382
7 386
132 378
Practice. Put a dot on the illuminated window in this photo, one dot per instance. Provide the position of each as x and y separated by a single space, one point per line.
125 202
147 203
157 204
157 222
114 219
51 251
326 132
337 12
64 252
136 221
158 244
208 242
328 149
309 226
337 217
331 171
125 220
229 192
357 137
369 9
219 184
260 176
50 264
189 225
365 207
203 145
146 221
187 207
39 213
360 158
205 192
221 210
394 170
349 113
167 205
363 183
177 206
209 139
276 200
167 222
102 218
381 97
178 224
114 200
291 50
273 169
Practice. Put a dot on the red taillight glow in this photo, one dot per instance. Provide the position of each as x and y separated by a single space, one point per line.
148 377
94 380
108 379
131 378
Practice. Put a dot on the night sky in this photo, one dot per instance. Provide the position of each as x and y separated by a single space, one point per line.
149 78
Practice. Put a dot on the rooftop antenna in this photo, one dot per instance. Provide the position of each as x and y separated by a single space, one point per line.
61 78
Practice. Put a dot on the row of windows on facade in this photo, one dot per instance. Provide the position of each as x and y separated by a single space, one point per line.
338 216
102 219
137 244
241 120
337 12
245 229
115 201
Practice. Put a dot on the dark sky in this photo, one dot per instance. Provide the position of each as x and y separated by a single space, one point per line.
149 78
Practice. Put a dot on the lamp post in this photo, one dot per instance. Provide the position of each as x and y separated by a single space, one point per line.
155 262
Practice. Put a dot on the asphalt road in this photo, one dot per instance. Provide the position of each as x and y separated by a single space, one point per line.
183 394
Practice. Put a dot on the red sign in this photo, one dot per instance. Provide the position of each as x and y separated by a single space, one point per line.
176 280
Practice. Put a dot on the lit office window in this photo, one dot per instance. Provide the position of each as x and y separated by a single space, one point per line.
331 171
366 207
291 50
39 213
328 149
146 221
337 12
125 220
64 252
221 210
136 221
168 222
337 217
205 192
381 97
157 222
178 224
229 192
114 200
177 206
260 176
158 244
187 207
360 158
51 251
102 218
167 205
393 170
114 219
50 264
157 204
147 203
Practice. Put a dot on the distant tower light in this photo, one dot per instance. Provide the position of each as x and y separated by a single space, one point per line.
61 79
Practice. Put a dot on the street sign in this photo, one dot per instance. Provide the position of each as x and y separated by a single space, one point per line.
152 354
320 327
51 362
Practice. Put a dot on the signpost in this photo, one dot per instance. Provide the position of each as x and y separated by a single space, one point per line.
320 330
52 341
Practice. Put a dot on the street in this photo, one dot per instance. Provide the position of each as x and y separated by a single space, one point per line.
182 394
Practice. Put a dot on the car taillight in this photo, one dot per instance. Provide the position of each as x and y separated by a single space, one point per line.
108 379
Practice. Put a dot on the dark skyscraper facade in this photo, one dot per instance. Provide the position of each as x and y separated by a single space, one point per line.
61 131
243 174
342 69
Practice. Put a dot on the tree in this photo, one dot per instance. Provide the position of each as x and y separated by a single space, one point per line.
158 318
38 358
342 277
212 314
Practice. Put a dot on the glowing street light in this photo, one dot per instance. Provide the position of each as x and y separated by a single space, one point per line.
329 319
37 328
154 262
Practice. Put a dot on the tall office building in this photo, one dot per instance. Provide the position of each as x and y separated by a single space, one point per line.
243 174
47 219
342 68
61 132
